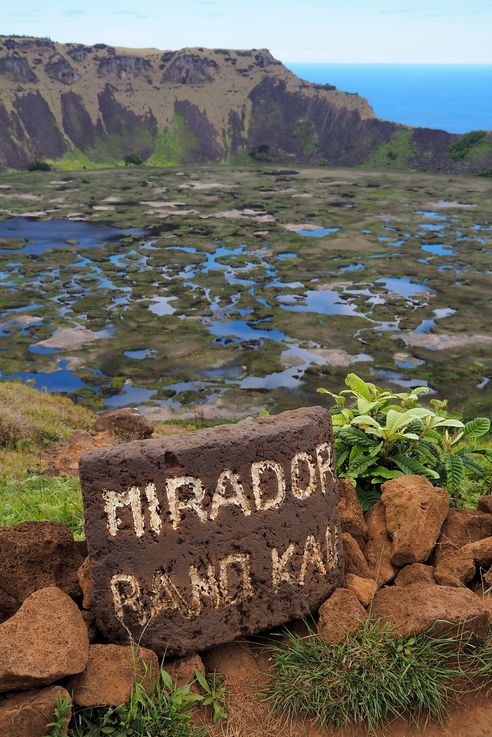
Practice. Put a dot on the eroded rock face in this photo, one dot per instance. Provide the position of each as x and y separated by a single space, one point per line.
415 511
341 614
111 673
126 424
60 69
17 69
35 555
123 66
46 640
411 609
379 546
189 69
198 539
29 714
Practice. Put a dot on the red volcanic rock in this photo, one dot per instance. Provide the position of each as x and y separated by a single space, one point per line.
34 555
411 609
379 546
355 561
415 511
46 640
351 513
111 673
363 588
462 526
341 614
28 714
416 573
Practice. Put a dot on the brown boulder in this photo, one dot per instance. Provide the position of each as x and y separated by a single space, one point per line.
379 546
236 661
126 423
363 588
485 504
355 561
46 640
416 573
341 614
28 714
415 512
410 610
462 526
351 515
480 551
35 555
111 673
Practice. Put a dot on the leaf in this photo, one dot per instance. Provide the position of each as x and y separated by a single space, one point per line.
412 466
473 466
359 386
386 473
202 681
166 679
368 497
354 436
367 421
455 472
477 427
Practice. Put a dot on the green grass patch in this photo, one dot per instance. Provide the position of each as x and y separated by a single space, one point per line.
174 144
470 144
366 679
394 154
43 498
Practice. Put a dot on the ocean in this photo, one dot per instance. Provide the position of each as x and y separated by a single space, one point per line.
453 97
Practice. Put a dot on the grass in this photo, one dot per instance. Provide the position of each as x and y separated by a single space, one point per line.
164 712
43 498
366 679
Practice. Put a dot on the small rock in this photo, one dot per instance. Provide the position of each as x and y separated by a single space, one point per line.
411 609
455 571
183 670
462 526
46 640
341 614
415 512
35 555
480 551
363 588
28 714
351 514
379 546
84 578
111 673
236 661
355 561
126 423
485 504
416 573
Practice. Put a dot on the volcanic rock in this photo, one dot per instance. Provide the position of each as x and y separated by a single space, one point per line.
462 526
111 673
416 573
46 640
341 614
485 504
126 423
411 609
363 588
35 555
379 546
351 513
415 512
29 714
355 561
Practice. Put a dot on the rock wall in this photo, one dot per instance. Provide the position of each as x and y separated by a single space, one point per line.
96 104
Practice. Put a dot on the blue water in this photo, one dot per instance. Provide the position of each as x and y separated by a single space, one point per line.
454 97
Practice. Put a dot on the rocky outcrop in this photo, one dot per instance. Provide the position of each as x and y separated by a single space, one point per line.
189 69
17 69
126 424
46 640
61 70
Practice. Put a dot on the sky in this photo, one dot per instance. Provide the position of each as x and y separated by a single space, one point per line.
379 31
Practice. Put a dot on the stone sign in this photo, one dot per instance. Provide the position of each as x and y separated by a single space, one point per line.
198 539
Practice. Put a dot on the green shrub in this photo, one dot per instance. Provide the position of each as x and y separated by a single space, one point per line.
460 150
366 679
133 160
380 435
39 166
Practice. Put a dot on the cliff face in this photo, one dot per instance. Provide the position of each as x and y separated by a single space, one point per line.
97 104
